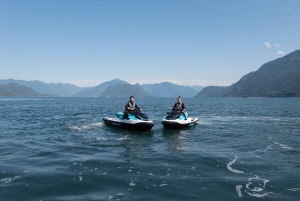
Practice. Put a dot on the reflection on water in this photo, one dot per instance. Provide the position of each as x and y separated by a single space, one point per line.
176 140
138 146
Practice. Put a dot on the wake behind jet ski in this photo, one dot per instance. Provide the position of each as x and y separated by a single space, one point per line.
178 118
132 118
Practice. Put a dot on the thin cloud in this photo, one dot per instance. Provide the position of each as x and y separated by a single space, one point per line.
276 45
84 83
268 45
91 83
280 53
174 81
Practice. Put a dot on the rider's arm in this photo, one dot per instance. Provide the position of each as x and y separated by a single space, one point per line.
127 106
182 107
137 107
172 108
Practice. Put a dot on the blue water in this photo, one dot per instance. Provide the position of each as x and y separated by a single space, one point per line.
59 149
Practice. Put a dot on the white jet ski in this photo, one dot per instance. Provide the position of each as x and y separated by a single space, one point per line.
137 121
176 119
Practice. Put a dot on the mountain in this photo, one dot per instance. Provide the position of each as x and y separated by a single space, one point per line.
56 89
167 89
197 88
125 91
213 91
15 90
5 92
277 78
99 89
221 91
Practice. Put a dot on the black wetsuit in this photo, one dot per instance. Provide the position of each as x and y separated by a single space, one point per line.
133 106
180 106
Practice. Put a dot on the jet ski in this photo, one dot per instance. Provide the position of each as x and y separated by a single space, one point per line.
136 121
175 119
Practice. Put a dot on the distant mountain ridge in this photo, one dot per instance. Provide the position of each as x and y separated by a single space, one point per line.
124 91
167 89
56 89
277 78
15 90
99 89
198 88
164 89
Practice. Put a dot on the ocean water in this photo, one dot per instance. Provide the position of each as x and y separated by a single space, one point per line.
59 149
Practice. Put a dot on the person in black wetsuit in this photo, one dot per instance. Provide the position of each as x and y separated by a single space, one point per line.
130 107
179 106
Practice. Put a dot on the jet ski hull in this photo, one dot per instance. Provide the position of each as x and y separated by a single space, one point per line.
137 125
174 124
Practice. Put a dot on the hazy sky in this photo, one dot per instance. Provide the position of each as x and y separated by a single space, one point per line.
185 42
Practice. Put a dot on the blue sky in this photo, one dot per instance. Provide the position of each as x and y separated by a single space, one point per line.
185 42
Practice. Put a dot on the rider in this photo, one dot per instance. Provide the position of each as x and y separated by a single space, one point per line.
179 106
130 107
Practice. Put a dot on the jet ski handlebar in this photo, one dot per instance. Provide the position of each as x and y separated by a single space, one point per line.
175 111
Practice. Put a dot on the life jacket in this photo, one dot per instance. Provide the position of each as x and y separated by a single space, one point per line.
132 106
178 106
